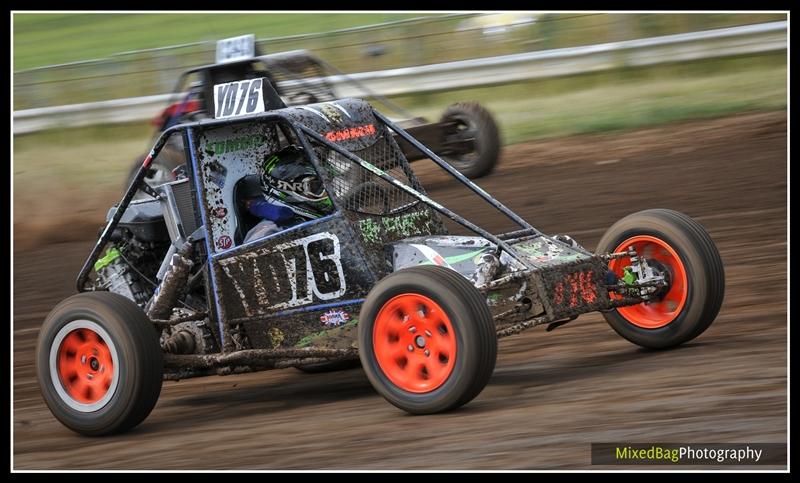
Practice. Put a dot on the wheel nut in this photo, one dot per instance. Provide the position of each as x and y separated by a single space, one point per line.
427 353
410 348
412 329
428 333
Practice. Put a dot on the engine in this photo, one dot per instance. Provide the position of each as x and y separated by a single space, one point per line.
129 267
136 251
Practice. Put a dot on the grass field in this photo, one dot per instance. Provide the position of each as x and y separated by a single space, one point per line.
45 39
41 39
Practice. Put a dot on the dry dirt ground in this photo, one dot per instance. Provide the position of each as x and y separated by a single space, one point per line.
552 394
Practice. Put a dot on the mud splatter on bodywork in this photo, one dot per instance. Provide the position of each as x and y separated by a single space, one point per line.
272 297
543 251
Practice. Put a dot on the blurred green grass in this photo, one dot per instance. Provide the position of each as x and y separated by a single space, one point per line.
589 103
57 38
45 39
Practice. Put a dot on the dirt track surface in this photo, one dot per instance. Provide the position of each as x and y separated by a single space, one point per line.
551 393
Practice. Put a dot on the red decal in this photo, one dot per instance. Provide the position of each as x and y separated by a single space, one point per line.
581 288
147 160
573 286
224 242
350 133
558 298
220 212
588 287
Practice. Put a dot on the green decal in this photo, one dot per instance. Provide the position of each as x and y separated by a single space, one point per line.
457 258
109 257
370 230
403 226
233 145
270 163
466 256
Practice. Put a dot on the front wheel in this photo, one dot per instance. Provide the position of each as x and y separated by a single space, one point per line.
681 249
427 341
99 363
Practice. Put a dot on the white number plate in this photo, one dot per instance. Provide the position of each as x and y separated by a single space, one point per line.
236 48
238 98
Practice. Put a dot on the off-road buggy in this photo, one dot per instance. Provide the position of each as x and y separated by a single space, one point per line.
176 294
466 135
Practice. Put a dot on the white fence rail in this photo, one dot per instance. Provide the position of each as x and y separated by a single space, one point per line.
747 39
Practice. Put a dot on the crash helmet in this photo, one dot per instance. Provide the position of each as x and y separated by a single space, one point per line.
290 177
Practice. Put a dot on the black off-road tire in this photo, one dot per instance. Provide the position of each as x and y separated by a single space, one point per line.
138 369
474 335
475 121
702 265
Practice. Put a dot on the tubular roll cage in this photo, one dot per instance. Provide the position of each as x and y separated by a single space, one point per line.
284 56
305 136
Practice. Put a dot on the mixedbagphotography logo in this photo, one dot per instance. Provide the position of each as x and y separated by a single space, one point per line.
688 454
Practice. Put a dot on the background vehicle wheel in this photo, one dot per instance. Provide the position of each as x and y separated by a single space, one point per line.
330 366
99 363
677 243
427 341
475 122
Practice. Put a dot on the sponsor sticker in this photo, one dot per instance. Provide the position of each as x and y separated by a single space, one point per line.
224 242
220 212
575 289
350 133
217 173
225 146
334 318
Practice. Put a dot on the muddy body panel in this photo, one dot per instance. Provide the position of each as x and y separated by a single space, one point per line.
294 297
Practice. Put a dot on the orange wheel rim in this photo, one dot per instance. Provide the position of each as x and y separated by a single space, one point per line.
414 343
85 366
668 306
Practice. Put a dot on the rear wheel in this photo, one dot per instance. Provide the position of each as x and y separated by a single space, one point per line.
99 363
427 340
473 122
680 248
